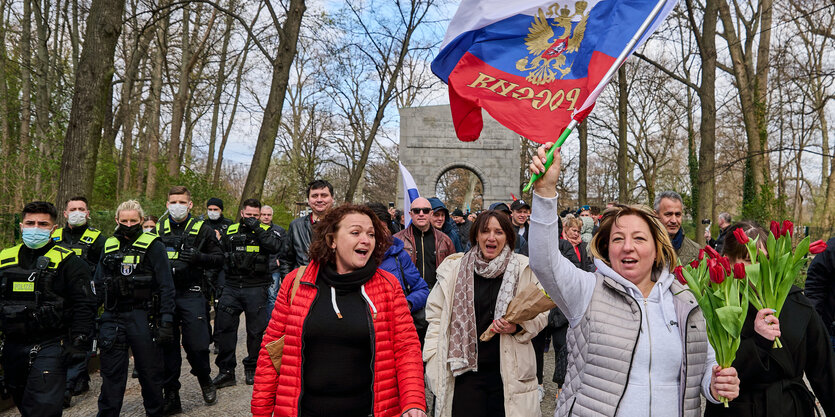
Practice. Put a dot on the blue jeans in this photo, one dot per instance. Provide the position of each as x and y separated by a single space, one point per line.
273 292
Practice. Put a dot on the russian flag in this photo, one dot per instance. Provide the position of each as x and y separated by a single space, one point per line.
535 65
410 193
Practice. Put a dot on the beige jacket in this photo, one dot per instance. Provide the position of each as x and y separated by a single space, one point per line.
518 364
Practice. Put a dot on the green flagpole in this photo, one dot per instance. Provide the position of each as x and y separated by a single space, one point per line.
605 80
549 157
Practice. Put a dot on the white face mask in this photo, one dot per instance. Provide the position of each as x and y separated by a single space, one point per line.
178 211
147 229
77 218
213 215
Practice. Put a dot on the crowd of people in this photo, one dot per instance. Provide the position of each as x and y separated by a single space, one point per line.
352 311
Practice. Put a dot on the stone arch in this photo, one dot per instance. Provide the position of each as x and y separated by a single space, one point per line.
429 148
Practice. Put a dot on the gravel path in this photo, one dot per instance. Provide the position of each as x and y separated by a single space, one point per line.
231 401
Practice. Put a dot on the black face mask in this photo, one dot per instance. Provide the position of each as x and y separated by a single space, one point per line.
128 232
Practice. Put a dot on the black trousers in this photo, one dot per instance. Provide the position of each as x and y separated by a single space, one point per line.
120 330
539 342
478 394
192 323
37 390
77 372
234 301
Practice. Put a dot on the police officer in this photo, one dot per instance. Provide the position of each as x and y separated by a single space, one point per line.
133 281
215 220
247 246
47 308
191 246
88 244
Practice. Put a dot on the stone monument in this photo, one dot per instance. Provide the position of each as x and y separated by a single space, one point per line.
429 148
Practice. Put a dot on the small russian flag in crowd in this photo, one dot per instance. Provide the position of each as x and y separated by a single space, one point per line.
535 65
410 193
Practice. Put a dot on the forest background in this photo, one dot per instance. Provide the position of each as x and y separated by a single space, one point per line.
729 104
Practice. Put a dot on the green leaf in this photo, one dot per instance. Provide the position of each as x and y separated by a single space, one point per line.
729 318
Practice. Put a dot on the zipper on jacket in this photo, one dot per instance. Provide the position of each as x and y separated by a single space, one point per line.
301 354
649 374
632 358
373 348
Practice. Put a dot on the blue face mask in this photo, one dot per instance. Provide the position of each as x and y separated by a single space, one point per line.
35 237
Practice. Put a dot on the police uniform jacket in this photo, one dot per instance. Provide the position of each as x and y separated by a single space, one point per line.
85 241
153 259
247 254
65 305
190 234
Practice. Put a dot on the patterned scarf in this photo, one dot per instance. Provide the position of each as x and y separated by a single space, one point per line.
463 341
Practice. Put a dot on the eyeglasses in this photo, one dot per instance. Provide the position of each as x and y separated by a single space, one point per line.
418 210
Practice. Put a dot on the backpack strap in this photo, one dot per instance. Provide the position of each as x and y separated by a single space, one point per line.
296 281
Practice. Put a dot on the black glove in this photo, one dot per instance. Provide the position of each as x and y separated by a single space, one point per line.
251 223
190 256
166 333
79 347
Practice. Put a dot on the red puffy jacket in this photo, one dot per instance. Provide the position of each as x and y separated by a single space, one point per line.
398 366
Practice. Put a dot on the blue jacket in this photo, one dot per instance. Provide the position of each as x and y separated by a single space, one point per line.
407 273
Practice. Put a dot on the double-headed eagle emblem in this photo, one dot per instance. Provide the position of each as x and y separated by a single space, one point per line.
546 48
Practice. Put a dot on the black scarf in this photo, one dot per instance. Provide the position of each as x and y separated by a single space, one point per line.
351 281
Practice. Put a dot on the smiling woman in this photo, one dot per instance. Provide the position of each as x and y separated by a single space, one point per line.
350 323
471 377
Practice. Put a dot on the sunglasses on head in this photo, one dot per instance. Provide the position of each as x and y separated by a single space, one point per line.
418 210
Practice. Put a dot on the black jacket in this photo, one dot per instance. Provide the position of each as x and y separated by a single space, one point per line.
72 283
156 260
208 256
246 269
771 380
719 242
585 262
298 239
281 234
819 284
220 224
71 236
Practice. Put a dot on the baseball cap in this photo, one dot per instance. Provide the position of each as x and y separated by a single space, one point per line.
500 206
518 204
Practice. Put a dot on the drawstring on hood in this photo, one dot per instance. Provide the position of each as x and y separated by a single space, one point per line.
663 282
352 281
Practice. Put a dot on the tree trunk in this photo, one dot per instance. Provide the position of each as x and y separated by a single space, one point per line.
95 72
25 100
221 81
5 140
254 185
623 171
707 126
582 169
230 122
178 107
156 103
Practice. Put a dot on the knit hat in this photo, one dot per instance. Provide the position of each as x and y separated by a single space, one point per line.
214 201
458 212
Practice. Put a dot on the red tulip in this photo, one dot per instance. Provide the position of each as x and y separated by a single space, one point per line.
717 273
739 270
740 236
817 247
788 227
701 254
726 264
679 275
711 252
775 229
694 264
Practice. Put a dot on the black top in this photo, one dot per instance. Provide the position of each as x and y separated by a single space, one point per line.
820 287
249 269
221 224
156 259
586 263
72 234
281 235
72 283
485 293
771 380
425 254
294 252
338 354
208 256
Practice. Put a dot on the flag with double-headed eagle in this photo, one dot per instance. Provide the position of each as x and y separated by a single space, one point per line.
535 65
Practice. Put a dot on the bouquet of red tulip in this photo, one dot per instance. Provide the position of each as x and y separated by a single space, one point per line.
723 300
772 273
